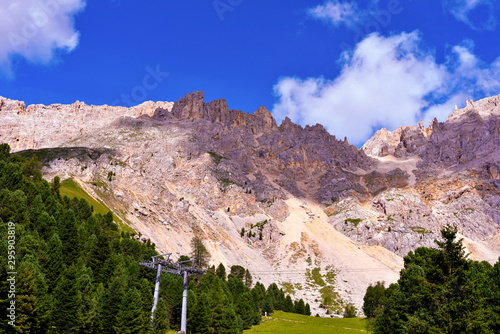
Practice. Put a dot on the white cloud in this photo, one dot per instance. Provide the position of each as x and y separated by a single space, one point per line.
337 13
386 82
477 14
35 29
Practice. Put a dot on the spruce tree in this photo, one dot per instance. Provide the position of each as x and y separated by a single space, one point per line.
32 303
56 186
112 301
199 253
67 300
248 278
300 307
56 261
200 322
308 309
288 304
245 308
227 321
160 323
191 305
130 318
69 236
221 272
88 307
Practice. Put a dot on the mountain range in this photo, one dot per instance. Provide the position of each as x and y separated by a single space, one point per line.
294 205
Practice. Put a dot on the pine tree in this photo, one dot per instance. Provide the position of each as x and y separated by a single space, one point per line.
437 289
11 177
32 169
248 278
349 311
200 322
32 303
245 308
67 300
308 309
238 271
55 265
160 325
221 272
288 304
87 310
130 318
4 152
300 307
69 236
199 253
56 186
192 300
372 301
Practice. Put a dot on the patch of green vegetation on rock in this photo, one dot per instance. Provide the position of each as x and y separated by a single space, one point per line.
354 221
330 275
216 157
420 230
288 288
317 278
331 299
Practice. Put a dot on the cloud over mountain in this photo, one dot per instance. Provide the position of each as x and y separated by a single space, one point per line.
36 30
388 82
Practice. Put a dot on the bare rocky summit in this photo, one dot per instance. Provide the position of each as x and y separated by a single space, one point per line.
305 200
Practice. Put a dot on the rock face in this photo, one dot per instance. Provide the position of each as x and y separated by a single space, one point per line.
457 174
39 126
281 200
468 135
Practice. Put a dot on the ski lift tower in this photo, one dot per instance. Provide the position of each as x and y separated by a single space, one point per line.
162 265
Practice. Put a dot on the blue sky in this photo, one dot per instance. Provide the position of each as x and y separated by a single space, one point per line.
353 66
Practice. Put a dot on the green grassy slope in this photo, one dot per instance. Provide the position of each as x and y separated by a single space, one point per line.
290 323
71 189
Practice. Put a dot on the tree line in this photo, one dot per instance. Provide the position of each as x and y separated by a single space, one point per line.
76 272
439 291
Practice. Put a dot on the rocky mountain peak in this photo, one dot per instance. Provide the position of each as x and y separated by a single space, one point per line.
485 108
478 119
8 105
